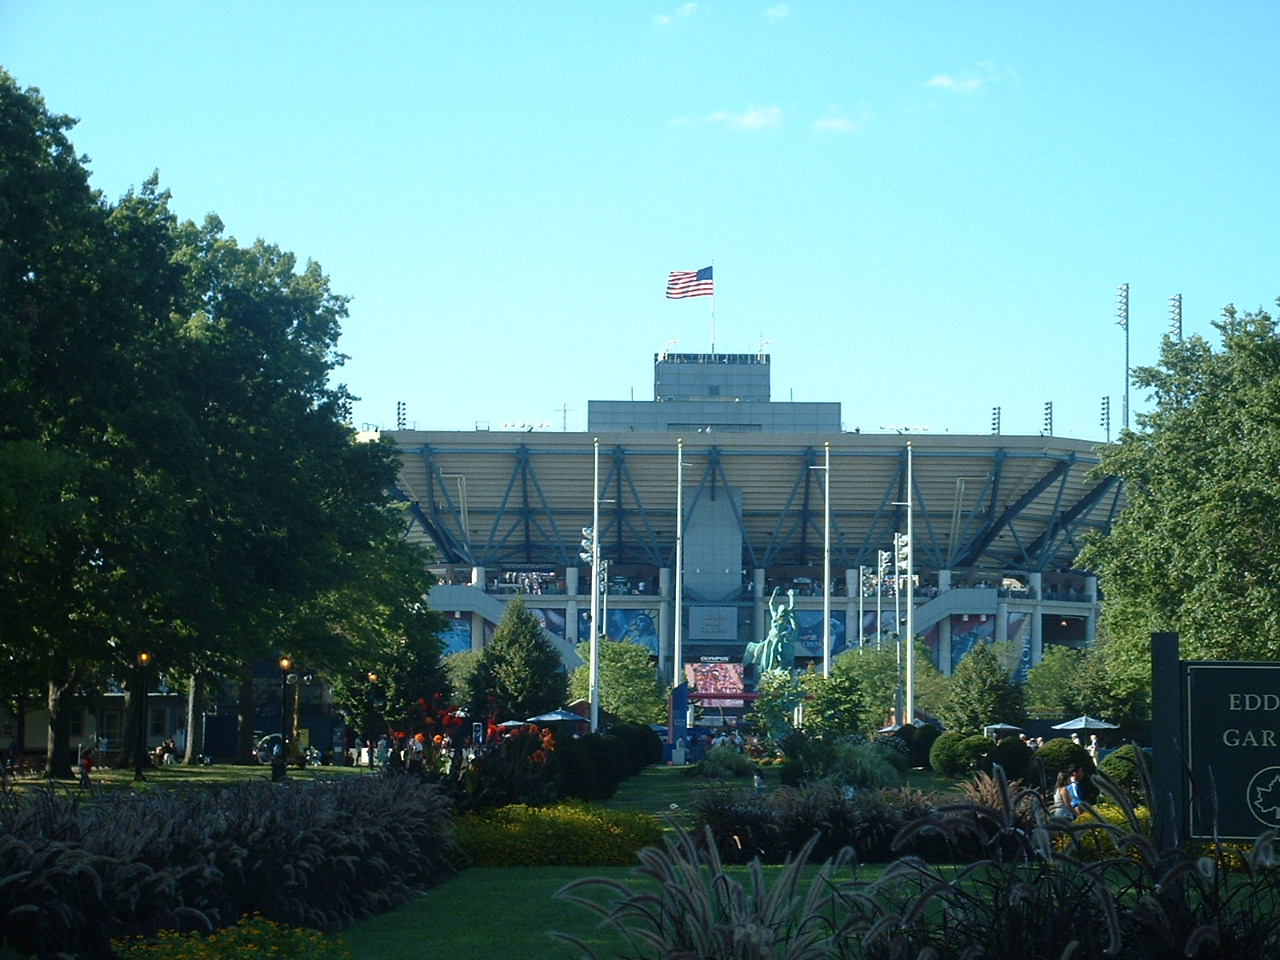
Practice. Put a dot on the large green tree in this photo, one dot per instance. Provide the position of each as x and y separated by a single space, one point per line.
520 674
1196 549
982 691
629 685
177 472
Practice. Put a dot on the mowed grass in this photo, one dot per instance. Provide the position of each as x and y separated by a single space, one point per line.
512 913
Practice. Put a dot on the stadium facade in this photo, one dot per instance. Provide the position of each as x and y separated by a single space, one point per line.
997 524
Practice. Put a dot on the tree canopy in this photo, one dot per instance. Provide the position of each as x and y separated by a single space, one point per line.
520 674
982 691
177 472
1196 550
629 687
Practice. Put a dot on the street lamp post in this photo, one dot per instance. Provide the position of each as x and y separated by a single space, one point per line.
677 651
826 559
140 758
279 763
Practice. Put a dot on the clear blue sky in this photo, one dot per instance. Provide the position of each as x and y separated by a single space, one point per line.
925 207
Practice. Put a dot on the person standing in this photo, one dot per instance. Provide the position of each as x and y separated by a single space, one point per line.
1061 806
1075 795
86 768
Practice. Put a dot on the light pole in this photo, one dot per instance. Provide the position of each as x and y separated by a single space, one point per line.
826 558
677 651
144 661
911 597
1122 314
279 764
594 670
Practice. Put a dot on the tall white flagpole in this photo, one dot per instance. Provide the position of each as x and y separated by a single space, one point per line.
677 653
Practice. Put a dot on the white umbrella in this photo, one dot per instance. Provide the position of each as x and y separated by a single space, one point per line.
1086 722
554 716
513 723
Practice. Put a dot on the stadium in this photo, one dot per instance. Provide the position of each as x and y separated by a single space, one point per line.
772 496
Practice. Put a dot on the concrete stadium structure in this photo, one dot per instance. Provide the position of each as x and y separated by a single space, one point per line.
997 524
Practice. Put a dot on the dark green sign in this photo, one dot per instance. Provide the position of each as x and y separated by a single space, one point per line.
1233 748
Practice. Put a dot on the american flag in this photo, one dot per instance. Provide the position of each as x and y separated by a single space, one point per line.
689 283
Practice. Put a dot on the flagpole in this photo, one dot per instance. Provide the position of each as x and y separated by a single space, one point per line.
713 312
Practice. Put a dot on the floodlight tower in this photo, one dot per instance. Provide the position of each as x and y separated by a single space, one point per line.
1122 315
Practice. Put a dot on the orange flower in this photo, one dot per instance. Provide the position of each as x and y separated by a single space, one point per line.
437 739
420 738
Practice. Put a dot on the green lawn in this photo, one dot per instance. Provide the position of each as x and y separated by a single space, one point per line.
510 913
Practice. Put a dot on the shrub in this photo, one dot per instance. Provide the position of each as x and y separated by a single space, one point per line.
947 757
316 855
742 825
1057 755
921 743
723 763
895 749
517 769
791 772
252 937
745 826
608 765
976 750
1121 767
1013 755
695 908
863 765
566 834
573 773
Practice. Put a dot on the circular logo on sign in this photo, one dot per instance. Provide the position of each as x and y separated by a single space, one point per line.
1263 796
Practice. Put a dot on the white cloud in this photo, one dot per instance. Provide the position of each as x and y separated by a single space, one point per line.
755 118
955 84
777 11
969 82
665 20
837 121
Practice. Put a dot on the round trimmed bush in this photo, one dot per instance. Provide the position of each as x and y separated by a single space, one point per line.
1121 767
947 757
922 742
1013 756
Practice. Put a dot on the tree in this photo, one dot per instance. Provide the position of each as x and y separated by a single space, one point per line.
1051 685
861 693
982 691
176 467
629 686
1196 549
519 674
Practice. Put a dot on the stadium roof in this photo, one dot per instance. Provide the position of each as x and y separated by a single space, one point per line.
1001 503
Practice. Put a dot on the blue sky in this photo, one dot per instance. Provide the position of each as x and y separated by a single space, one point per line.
925 208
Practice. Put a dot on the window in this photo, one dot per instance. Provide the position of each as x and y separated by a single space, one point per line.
159 722
77 723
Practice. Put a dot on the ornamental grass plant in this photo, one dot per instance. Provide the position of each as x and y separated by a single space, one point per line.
319 855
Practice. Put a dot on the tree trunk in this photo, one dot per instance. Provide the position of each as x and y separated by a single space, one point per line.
244 717
128 729
195 721
57 764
